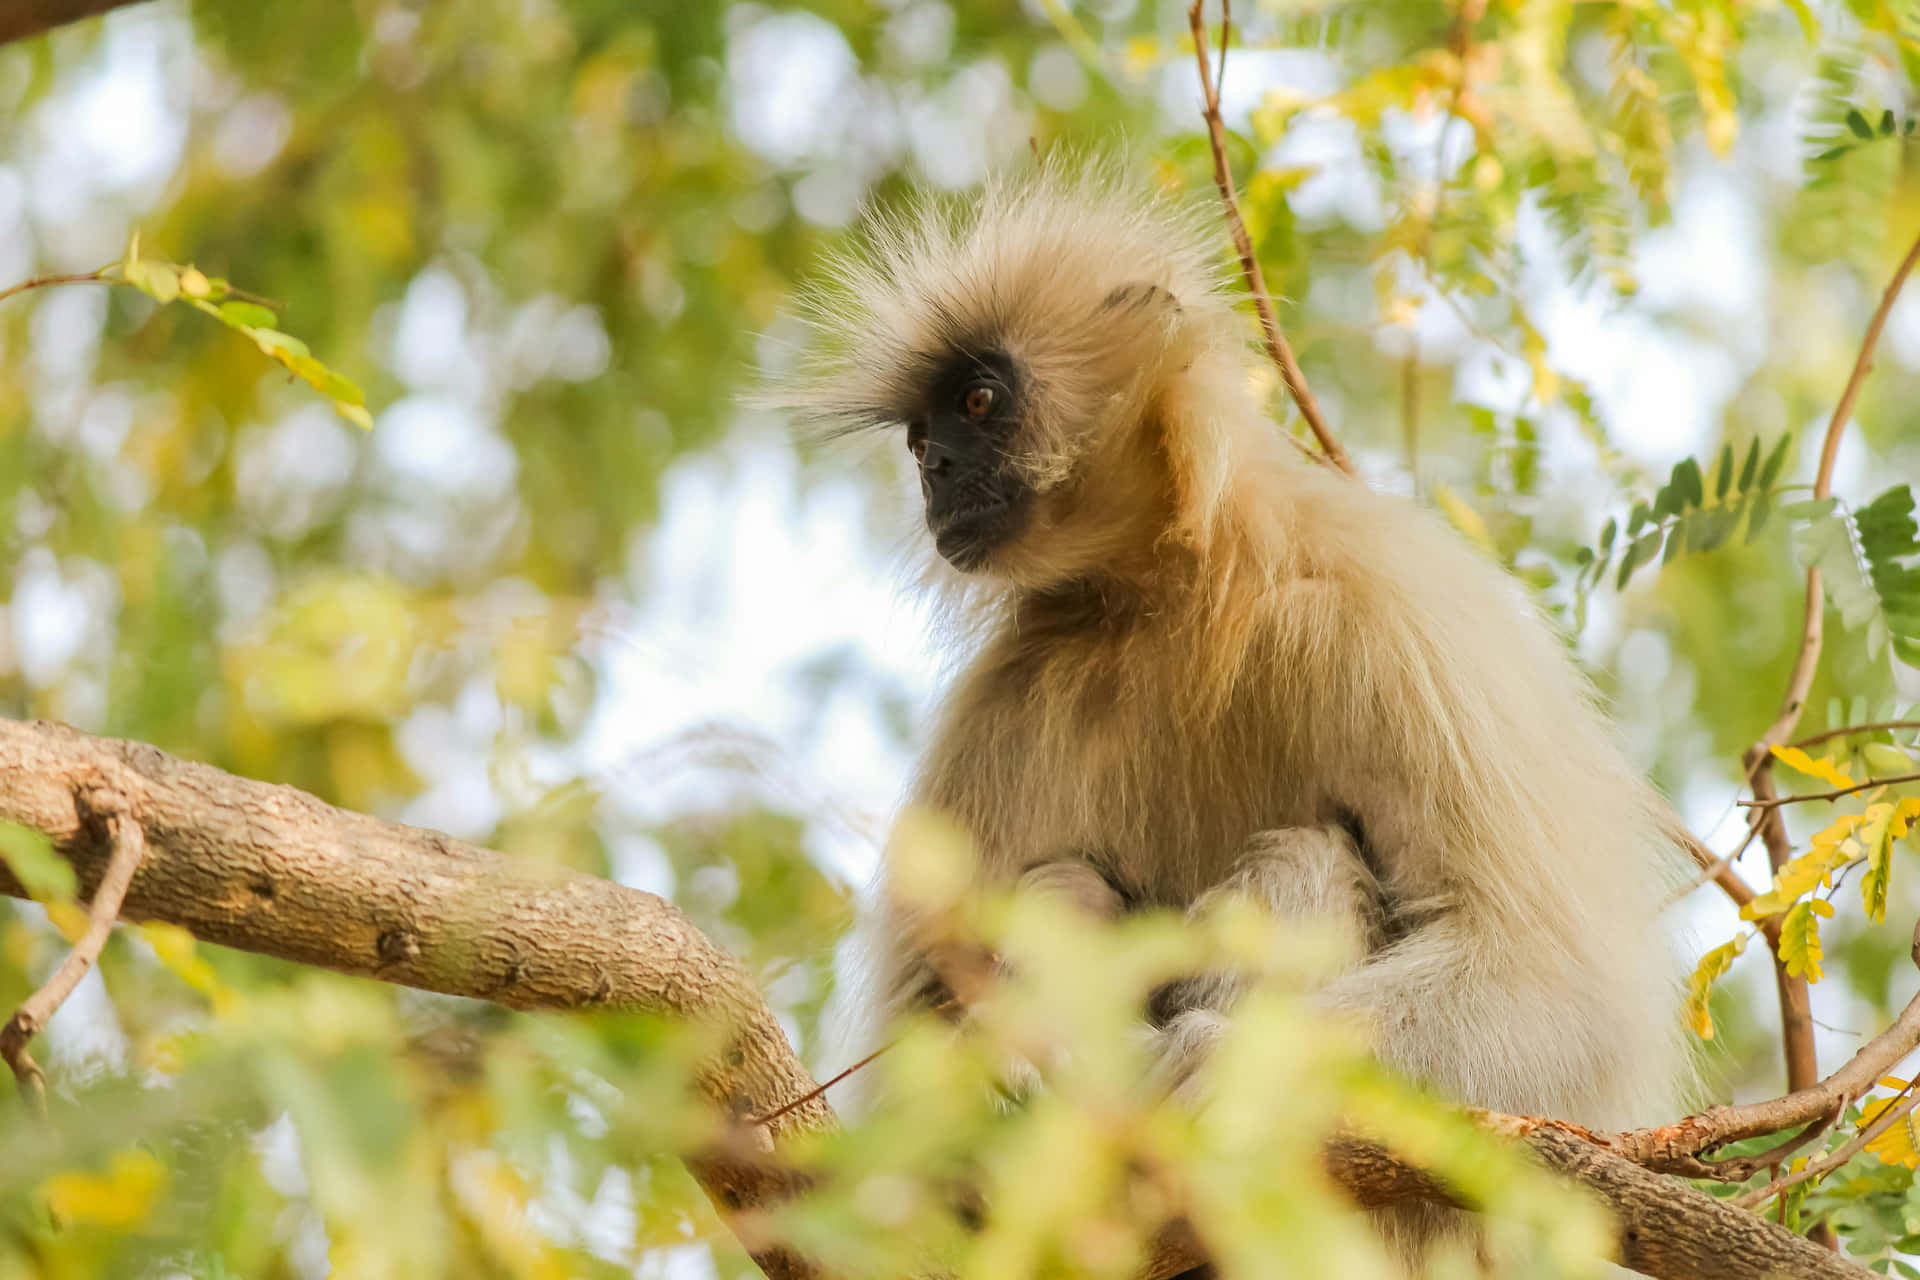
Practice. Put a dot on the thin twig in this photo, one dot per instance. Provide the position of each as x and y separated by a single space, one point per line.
818 1091
1740 1168
1848 731
1717 868
1904 1102
1276 341
47 282
129 847
1774 802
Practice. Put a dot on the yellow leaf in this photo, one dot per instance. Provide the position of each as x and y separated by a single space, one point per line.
1464 518
1876 836
1904 815
1800 761
121 1197
1712 965
194 284
70 918
180 953
1832 849
1800 939
1897 1145
1141 53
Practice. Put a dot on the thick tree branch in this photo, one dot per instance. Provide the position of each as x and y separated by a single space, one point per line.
20 19
275 871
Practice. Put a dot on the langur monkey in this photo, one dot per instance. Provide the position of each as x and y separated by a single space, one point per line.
1204 665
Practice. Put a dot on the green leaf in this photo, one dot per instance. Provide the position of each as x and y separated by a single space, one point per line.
1886 123
342 388
246 315
1858 124
1776 458
354 413
158 280
1638 553
1677 537
1687 480
1723 474
278 345
29 854
1637 518
1751 467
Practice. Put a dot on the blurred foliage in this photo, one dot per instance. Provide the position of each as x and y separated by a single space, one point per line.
1534 255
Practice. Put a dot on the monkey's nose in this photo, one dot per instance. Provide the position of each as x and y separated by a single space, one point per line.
936 459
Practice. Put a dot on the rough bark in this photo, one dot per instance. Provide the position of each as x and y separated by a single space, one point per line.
20 19
273 870
276 871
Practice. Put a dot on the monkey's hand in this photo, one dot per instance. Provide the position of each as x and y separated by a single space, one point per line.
1305 874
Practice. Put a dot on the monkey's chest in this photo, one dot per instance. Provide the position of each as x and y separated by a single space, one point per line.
1160 797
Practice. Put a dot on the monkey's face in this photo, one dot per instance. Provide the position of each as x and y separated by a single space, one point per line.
963 438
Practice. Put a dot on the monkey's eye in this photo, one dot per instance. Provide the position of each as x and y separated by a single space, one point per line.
977 401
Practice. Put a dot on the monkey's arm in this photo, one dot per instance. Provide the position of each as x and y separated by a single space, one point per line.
1299 874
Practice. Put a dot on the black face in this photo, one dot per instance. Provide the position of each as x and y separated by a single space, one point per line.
975 500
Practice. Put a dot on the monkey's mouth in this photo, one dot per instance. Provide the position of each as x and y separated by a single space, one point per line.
966 538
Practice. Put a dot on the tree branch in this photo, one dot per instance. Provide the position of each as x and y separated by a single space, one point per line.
275 871
1796 1016
20 19
1276 341
129 844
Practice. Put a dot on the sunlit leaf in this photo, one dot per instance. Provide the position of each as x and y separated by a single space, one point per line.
121 1197
1713 965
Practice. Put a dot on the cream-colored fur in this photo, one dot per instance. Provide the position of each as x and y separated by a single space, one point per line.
1200 638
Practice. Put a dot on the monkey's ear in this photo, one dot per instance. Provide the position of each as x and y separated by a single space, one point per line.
1141 297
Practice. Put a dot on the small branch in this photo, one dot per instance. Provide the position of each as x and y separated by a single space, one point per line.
819 1092
129 848
1677 1147
47 282
23 18
1827 1164
1796 1019
1740 1168
1774 802
1276 341
1848 731
1718 870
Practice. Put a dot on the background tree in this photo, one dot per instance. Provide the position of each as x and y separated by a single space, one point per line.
1593 278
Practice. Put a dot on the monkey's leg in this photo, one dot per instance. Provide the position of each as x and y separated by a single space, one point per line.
1298 874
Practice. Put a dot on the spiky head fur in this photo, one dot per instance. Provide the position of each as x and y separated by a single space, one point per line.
1114 308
